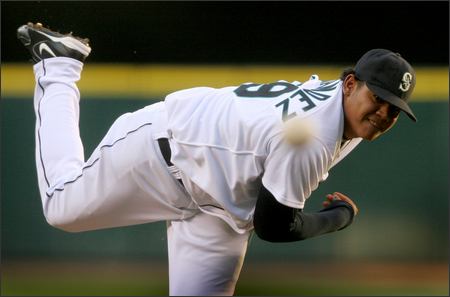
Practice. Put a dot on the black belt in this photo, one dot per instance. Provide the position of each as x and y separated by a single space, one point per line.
166 152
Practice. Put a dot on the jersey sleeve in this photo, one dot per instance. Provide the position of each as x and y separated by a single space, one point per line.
292 173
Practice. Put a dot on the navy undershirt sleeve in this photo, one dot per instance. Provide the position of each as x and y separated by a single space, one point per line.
276 222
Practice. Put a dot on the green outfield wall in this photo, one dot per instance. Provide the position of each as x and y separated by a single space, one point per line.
400 181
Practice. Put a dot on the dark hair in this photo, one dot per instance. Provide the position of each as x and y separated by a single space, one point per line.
346 72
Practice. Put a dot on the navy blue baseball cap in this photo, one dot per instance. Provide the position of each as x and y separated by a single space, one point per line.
389 76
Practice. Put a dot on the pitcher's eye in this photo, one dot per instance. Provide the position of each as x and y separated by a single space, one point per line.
393 110
378 99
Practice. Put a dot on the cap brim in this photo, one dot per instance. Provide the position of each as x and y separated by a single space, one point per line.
393 99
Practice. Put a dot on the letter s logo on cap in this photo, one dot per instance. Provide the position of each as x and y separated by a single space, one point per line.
406 82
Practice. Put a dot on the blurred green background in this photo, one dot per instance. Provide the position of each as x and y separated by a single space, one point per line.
399 183
398 244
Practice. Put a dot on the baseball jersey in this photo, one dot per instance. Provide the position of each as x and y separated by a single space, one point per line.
227 142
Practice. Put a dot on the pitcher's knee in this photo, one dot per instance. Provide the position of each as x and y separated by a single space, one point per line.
63 222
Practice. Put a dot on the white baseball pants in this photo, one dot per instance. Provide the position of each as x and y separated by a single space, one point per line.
125 182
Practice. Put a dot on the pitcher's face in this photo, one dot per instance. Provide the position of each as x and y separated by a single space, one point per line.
366 115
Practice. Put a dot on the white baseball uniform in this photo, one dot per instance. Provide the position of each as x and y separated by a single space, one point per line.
225 144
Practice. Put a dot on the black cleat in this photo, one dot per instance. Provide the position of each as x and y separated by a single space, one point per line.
44 43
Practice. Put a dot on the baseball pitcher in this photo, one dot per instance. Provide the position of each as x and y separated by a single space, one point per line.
215 164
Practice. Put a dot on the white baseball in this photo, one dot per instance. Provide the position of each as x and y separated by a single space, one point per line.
298 131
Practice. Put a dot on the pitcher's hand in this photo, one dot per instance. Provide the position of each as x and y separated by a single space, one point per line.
340 196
